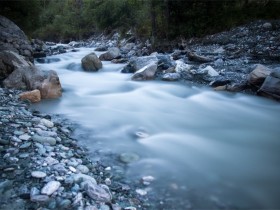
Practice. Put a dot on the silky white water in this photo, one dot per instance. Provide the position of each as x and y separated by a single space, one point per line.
223 148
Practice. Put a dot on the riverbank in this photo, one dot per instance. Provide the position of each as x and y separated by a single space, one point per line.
43 167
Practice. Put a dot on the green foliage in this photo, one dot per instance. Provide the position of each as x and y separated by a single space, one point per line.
159 19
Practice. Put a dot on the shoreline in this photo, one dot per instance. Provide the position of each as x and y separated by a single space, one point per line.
43 166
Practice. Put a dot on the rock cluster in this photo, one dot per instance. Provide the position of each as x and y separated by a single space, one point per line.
43 167
16 70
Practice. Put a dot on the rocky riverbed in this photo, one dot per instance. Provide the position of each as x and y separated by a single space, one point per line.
43 167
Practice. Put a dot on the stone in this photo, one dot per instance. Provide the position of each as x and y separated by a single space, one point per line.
50 187
141 192
146 73
198 58
40 198
38 174
111 54
31 78
51 88
171 77
60 168
138 63
98 192
9 61
47 123
267 25
129 157
44 140
83 177
258 75
182 67
91 62
270 88
83 169
33 96
210 71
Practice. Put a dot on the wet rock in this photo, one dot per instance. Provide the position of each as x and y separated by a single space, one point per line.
141 192
101 48
146 180
64 204
38 174
111 54
171 77
258 75
146 73
270 88
129 157
60 168
5 185
138 63
91 62
50 187
51 88
98 192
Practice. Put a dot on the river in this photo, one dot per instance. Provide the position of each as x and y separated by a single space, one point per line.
211 149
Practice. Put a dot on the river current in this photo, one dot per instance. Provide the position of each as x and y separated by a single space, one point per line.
214 149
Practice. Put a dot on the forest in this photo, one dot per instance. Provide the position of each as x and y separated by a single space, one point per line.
66 20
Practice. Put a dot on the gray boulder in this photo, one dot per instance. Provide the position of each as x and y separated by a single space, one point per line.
111 54
258 75
146 73
91 62
9 61
271 85
12 38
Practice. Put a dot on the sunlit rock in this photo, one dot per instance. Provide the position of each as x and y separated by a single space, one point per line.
33 96
91 62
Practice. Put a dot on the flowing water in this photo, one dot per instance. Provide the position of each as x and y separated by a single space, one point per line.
210 148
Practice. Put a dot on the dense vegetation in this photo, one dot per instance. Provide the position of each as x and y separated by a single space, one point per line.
160 19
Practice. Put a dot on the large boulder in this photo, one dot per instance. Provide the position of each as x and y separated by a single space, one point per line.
111 54
271 85
9 61
91 62
138 63
146 73
12 38
31 78
258 75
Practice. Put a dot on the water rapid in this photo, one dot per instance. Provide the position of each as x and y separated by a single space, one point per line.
211 148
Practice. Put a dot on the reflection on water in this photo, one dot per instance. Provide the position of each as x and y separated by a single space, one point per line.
223 146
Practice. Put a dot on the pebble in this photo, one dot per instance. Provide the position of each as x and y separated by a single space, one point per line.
25 145
24 137
47 123
83 178
83 169
141 192
43 139
50 187
38 174
39 198
98 192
